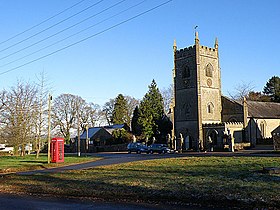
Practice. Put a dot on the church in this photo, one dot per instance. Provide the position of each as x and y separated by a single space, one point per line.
205 119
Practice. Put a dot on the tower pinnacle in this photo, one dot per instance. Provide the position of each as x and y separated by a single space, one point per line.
216 43
196 37
174 46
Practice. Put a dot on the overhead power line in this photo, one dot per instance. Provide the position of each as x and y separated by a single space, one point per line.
89 37
59 41
17 43
63 30
44 21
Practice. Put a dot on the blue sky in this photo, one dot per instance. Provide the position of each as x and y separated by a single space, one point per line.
127 58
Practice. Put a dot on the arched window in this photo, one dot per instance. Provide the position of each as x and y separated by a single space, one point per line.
210 108
186 72
209 70
232 119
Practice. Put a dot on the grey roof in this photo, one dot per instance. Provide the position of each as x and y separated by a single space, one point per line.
116 126
258 109
91 132
233 101
111 128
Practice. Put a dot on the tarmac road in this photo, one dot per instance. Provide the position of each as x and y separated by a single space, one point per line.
19 202
15 202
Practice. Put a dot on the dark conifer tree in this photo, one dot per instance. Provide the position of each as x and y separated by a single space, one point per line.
272 89
151 111
120 111
135 126
165 127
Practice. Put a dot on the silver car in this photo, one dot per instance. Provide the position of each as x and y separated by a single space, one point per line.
137 147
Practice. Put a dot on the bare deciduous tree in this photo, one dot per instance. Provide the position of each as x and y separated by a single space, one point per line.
242 90
94 114
18 113
131 104
108 110
41 110
87 112
67 108
167 95
64 112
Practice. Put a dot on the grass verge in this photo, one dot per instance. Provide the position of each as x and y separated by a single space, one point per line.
207 181
10 164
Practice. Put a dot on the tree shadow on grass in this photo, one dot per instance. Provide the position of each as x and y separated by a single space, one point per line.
34 161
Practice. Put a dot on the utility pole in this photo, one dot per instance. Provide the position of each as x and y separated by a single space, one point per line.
173 93
87 146
49 128
79 139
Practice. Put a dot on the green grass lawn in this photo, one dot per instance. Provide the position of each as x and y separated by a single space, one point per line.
207 181
30 162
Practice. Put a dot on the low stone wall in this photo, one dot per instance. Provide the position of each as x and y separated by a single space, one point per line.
111 148
265 141
241 146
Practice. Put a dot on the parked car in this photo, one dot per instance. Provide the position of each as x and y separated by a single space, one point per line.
4 149
158 148
137 147
2 146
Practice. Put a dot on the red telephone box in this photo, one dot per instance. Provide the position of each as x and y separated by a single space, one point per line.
57 150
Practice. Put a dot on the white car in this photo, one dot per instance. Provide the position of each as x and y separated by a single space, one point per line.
9 150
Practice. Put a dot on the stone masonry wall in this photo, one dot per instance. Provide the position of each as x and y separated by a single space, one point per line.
210 85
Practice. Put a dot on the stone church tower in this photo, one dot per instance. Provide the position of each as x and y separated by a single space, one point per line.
197 90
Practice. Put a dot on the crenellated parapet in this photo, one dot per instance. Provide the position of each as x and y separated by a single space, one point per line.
208 48
213 125
190 51
226 124
203 50
186 52
234 125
